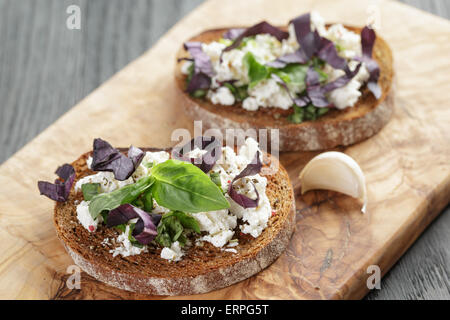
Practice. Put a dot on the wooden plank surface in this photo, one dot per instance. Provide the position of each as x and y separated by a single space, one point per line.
107 55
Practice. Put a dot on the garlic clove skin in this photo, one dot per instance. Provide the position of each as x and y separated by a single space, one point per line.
335 171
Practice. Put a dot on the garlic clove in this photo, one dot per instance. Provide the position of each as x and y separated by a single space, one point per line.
335 171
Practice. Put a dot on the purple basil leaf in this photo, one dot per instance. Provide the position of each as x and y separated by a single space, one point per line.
242 200
317 96
368 38
375 88
136 155
302 101
203 69
314 91
329 54
107 158
296 57
60 190
341 81
202 62
144 231
260 28
312 77
208 160
234 33
310 42
121 215
150 221
254 167
138 227
198 81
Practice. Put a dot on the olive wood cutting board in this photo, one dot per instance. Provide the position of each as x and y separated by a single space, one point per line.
407 164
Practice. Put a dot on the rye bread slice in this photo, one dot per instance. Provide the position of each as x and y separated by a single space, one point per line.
337 127
202 269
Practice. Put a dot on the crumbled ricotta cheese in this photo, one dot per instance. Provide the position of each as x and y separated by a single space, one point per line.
155 157
125 247
230 250
249 149
106 179
268 93
85 218
174 253
219 225
348 40
222 95
250 104
255 218
89 162
185 67
349 94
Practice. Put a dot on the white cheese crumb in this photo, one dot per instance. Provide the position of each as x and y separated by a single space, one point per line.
155 157
89 162
223 95
125 248
185 67
174 253
219 239
230 250
85 218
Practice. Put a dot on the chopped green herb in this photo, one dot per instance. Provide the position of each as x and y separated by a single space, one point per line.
309 112
226 42
199 93
171 228
240 93
133 241
90 190
148 165
256 71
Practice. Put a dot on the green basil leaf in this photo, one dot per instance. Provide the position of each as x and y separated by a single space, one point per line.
127 194
147 199
187 221
163 237
181 186
190 73
169 230
215 177
148 165
256 71
121 227
240 93
297 116
296 74
199 93
132 239
90 190
309 112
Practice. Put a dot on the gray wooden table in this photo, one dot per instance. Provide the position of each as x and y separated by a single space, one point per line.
45 69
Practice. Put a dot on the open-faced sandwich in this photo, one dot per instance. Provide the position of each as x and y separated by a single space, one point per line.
173 222
320 85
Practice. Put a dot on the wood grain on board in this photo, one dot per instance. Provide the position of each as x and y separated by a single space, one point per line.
406 164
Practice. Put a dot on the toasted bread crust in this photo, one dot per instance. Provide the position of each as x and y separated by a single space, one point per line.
201 270
337 127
